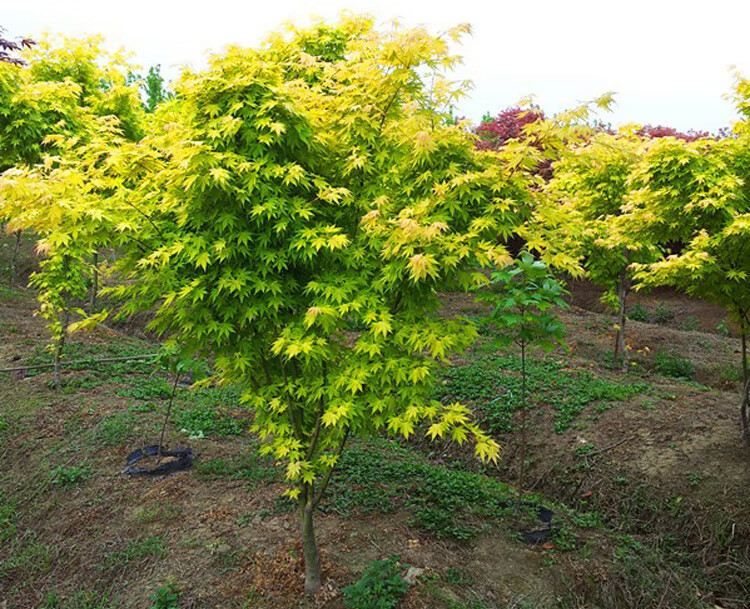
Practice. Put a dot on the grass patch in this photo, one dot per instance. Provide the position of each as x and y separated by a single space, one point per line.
493 384
148 547
251 467
115 429
383 477
107 371
156 513
83 599
663 314
673 365
206 419
8 518
30 556
8 293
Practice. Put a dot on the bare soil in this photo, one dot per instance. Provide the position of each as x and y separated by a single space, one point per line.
669 462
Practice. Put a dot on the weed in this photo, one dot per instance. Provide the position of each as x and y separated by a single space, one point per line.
155 513
565 539
442 523
204 419
723 329
146 388
68 476
8 517
143 407
457 577
694 478
246 518
165 597
587 520
380 587
626 547
81 383
7 293
27 555
673 365
730 373
638 313
136 550
83 599
689 324
663 314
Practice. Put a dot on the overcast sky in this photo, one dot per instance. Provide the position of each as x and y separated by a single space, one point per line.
669 61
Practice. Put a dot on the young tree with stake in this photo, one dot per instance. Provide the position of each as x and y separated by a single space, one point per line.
522 295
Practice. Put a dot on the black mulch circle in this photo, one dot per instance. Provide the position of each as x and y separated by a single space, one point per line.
182 458
545 515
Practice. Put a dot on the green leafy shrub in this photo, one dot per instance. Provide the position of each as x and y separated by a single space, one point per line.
67 476
380 587
730 373
165 597
673 365
723 329
689 324
663 314
639 313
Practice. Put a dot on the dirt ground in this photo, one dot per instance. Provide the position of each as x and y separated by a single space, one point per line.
665 462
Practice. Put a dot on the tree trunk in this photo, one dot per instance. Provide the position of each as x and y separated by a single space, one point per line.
309 545
522 467
60 346
166 418
745 414
14 258
743 337
94 282
620 353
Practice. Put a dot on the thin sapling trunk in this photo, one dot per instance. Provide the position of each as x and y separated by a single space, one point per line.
745 413
94 282
620 352
60 347
166 417
14 258
522 467
309 543
743 338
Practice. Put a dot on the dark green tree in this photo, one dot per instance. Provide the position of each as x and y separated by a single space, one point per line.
523 295
154 88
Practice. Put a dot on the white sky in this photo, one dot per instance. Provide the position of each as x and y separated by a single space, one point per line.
668 60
